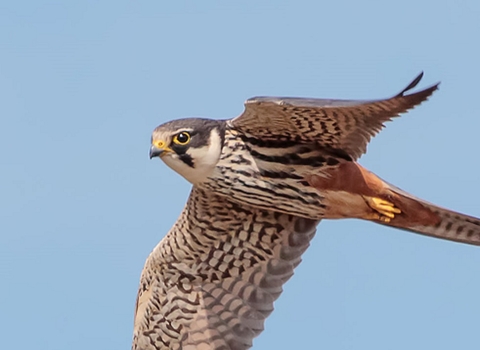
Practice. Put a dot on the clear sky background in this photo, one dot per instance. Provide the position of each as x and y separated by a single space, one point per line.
83 84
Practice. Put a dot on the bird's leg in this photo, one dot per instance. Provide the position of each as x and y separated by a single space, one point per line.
383 210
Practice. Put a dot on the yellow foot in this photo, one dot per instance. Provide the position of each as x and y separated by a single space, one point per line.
385 211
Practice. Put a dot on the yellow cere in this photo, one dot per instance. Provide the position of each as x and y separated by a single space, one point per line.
159 144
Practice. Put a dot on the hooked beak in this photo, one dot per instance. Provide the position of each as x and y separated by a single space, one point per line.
155 151
158 148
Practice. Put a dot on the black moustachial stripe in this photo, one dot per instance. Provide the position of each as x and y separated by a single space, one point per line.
187 159
199 130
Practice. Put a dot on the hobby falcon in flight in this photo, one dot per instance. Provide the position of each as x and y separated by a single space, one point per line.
261 183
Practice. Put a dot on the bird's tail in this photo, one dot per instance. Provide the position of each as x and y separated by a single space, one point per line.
425 218
351 191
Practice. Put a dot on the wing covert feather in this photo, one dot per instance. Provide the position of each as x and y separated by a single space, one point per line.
346 125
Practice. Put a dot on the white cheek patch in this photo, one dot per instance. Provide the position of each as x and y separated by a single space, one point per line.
207 156
204 159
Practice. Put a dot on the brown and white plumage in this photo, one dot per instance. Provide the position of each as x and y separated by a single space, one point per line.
261 183
211 285
346 125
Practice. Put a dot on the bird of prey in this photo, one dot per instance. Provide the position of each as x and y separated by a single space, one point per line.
261 183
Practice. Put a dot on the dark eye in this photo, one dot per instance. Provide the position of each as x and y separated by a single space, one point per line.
182 138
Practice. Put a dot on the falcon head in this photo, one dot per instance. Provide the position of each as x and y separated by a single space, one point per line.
190 146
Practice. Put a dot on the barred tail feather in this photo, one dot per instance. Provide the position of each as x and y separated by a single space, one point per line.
425 218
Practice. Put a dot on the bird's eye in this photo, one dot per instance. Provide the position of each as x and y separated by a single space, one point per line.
182 138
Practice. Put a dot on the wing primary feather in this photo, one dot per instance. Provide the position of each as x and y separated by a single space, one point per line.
411 85
347 125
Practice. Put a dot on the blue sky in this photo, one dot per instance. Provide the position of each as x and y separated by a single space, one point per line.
83 84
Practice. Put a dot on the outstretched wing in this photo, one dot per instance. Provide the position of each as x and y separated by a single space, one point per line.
211 282
346 125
